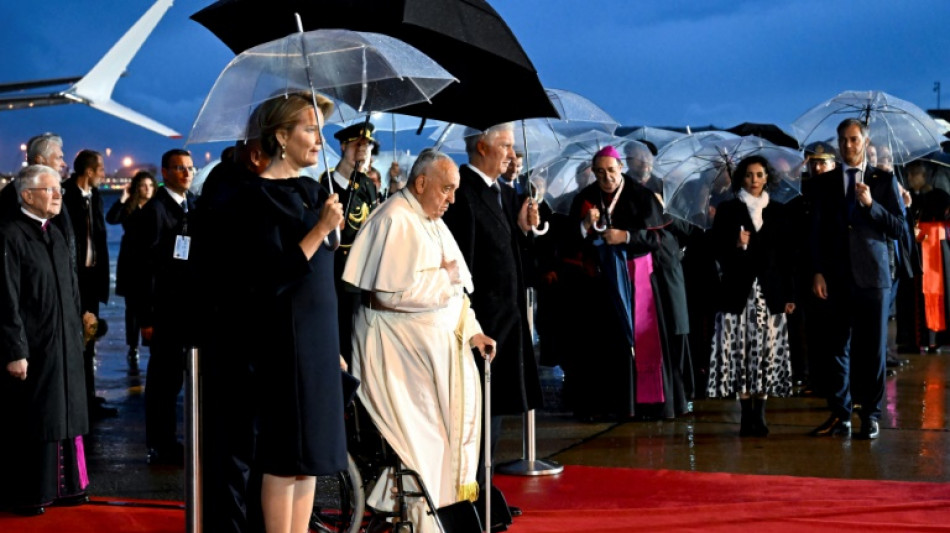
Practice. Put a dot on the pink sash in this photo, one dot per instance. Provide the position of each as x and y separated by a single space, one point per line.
646 329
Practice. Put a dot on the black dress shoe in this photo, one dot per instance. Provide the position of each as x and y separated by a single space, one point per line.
515 511
72 501
834 426
870 429
32 510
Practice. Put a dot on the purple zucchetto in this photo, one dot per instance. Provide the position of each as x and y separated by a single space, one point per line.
608 151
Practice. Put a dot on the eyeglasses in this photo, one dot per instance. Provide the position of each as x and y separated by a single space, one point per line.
182 168
49 190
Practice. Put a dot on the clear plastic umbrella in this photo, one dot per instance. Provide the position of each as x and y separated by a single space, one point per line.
908 130
658 137
695 187
538 136
366 71
682 149
567 171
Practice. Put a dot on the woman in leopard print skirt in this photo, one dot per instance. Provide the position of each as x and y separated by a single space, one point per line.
750 357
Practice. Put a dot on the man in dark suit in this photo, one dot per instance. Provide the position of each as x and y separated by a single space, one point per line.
162 229
491 227
857 210
358 198
87 218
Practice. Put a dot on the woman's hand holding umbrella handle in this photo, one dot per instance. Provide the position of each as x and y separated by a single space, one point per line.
326 230
743 238
790 308
819 287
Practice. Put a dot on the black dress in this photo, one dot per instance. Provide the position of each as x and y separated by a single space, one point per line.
292 332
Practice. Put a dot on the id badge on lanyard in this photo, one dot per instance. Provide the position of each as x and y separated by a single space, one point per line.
182 247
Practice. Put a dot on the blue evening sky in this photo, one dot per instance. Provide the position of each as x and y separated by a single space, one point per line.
646 62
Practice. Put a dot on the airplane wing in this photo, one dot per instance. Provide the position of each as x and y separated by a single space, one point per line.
95 88
24 85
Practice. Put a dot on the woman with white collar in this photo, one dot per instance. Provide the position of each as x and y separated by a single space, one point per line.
750 353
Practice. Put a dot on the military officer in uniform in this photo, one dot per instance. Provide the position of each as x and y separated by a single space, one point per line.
359 196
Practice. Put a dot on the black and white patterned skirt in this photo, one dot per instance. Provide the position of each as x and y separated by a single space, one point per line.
750 352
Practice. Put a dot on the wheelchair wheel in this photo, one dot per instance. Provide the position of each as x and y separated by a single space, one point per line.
339 503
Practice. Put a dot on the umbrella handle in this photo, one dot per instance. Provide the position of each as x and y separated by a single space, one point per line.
544 229
598 228
332 243
536 197
486 419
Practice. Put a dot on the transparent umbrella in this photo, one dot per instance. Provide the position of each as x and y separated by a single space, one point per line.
906 129
695 187
567 171
537 136
658 137
366 71
682 149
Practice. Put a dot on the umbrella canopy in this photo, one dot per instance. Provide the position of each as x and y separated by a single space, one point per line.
367 71
467 37
657 137
537 136
683 149
696 186
567 171
908 130
769 132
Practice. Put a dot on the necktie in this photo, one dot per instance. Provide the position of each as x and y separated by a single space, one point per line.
90 242
849 190
44 225
497 190
184 205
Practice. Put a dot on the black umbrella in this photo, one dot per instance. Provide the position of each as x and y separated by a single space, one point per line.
497 82
769 132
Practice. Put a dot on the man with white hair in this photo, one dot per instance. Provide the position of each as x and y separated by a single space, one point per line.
412 336
491 230
43 389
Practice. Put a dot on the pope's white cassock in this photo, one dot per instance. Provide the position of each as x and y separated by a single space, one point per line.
411 351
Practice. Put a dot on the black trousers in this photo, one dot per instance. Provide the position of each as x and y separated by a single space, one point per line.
857 341
163 382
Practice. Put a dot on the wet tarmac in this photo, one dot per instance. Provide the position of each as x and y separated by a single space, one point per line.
913 446
914 441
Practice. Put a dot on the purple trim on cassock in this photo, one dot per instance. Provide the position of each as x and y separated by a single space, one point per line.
649 359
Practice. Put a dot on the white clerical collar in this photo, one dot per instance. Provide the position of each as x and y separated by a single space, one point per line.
31 215
488 180
340 180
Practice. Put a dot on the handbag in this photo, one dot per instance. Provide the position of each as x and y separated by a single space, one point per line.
459 517
351 384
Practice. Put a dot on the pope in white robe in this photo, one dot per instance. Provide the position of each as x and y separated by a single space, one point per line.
412 339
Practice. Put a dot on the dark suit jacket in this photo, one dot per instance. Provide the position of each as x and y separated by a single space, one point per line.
165 279
769 256
491 242
78 211
855 248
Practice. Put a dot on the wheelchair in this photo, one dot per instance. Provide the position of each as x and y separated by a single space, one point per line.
340 500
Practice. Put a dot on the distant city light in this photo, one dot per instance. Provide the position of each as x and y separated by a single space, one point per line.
108 152
23 147
207 157
126 161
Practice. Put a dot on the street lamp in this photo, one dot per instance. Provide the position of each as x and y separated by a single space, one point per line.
126 161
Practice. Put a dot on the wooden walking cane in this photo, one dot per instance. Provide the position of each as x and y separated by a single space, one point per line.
489 350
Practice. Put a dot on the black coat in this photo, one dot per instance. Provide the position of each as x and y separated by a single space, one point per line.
82 215
491 243
769 256
40 321
164 286
129 265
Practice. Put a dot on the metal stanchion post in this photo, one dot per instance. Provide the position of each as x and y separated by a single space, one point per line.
529 464
193 502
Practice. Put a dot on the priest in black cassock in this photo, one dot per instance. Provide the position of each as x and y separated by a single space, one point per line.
42 391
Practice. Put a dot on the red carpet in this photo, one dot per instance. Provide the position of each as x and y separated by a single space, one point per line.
615 499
